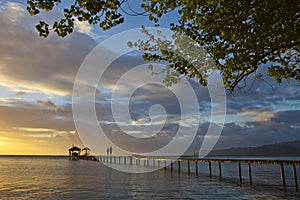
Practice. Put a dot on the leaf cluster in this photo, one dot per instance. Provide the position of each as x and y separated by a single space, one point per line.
240 36
104 13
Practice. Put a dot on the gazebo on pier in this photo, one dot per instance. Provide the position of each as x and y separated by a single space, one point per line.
86 151
74 153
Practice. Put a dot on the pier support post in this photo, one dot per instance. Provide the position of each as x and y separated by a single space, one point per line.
240 173
171 166
249 173
158 165
153 162
209 169
220 170
178 166
189 170
196 166
124 160
295 178
119 159
165 162
282 177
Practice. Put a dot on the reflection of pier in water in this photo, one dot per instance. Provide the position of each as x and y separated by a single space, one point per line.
161 162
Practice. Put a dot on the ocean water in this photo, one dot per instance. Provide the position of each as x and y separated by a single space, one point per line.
25 177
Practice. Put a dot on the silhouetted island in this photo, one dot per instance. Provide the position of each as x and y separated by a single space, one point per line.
291 148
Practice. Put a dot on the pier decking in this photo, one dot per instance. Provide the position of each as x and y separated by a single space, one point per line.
162 162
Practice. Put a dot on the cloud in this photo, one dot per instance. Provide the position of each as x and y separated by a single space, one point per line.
34 63
14 10
45 132
21 93
49 105
24 114
258 115
24 124
83 27
255 133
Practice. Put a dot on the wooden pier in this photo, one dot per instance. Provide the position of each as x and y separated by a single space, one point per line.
156 162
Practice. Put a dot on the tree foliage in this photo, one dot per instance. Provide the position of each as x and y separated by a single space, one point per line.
239 35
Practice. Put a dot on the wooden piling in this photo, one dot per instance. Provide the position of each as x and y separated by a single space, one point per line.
209 169
220 170
165 164
196 166
124 160
171 166
178 166
295 177
282 177
189 170
249 174
153 162
240 172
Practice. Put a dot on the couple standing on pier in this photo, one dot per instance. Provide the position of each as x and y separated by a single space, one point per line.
109 150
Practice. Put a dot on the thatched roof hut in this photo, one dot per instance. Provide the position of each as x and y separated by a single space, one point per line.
74 153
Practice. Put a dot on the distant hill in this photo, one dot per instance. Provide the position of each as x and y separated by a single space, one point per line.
279 149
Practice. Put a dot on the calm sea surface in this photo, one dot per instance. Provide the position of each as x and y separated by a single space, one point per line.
58 178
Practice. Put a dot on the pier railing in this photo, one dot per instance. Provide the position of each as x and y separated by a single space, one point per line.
157 161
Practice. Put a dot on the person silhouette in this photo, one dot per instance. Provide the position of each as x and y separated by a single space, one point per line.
110 150
107 150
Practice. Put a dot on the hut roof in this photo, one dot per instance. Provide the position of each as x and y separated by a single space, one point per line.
74 148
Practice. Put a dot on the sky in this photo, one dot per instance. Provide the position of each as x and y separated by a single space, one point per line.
36 86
